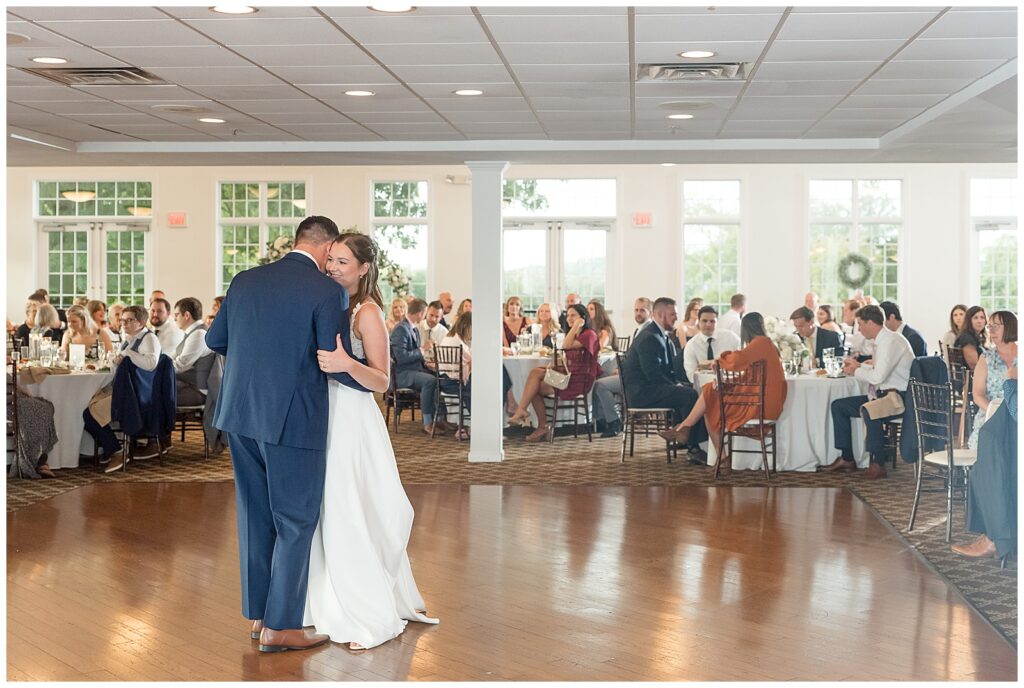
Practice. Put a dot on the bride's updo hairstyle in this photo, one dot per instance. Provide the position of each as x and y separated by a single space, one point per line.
365 250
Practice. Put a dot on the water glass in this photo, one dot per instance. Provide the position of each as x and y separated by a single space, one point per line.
24 354
515 348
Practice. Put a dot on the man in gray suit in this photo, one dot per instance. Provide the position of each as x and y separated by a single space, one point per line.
411 370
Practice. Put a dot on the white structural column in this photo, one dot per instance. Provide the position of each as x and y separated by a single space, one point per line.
488 417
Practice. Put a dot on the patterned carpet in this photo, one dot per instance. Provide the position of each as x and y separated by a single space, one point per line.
576 462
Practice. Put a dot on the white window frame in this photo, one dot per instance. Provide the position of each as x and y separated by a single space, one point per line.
740 221
263 220
373 221
903 222
974 250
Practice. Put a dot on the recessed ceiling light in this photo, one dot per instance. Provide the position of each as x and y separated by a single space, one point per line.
668 164
680 116
212 120
16 38
468 92
49 60
697 53
392 7
359 93
233 9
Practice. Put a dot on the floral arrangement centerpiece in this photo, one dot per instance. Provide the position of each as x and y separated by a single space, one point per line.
277 249
788 342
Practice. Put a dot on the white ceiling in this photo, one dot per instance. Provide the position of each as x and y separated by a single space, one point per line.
826 84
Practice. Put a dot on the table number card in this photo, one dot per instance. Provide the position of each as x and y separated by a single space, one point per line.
77 356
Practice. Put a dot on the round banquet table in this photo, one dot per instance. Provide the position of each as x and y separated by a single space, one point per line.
519 368
803 434
69 395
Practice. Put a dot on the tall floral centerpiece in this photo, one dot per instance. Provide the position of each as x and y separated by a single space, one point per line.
277 249
789 343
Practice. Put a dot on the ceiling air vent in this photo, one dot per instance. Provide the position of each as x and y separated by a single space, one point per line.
100 76
720 71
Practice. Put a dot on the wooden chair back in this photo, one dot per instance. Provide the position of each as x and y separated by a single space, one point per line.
741 389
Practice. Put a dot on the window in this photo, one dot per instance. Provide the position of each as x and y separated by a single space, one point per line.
94 239
994 222
252 214
855 216
399 226
711 223
546 259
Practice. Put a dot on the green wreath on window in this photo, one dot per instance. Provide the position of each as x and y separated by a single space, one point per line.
854 271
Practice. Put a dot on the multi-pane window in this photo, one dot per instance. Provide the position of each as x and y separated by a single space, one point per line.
711 223
994 221
251 214
68 257
126 266
94 199
861 216
399 226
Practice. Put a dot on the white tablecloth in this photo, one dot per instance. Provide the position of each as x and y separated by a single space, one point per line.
519 368
70 395
804 435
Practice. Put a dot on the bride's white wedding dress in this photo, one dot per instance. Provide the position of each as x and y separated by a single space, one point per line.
361 589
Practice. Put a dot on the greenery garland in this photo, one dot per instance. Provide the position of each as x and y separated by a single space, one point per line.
846 277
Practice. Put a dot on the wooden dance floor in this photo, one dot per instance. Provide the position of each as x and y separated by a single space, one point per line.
139 581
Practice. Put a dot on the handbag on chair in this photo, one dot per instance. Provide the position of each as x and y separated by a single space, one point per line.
556 379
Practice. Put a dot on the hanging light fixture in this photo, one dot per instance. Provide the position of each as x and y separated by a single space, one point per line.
79 196
140 211
299 203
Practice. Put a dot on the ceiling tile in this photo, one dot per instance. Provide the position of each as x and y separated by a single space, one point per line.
243 92
912 86
875 101
79 107
463 74
562 73
104 34
801 88
903 113
558 28
961 49
196 56
414 28
827 51
266 107
447 90
728 51
75 55
863 25
810 71
298 32
937 69
333 75
561 103
390 105
693 31
970 24
216 76
683 90
135 93
457 104
565 53
311 55
264 13
66 12
543 11
285 118
577 89
460 118
418 127
425 54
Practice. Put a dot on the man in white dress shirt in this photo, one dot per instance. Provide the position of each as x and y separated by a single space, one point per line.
607 386
189 370
730 320
431 329
860 346
169 334
888 370
710 343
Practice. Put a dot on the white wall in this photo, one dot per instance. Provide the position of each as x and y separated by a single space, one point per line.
773 273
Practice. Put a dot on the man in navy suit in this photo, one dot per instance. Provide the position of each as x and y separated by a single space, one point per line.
273 402
894 322
411 368
816 338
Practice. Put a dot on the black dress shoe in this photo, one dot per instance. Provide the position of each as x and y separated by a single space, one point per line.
698 457
612 429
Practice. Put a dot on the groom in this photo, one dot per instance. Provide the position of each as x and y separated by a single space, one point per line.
273 402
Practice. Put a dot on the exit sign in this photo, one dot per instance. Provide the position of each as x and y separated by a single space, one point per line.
176 220
643 219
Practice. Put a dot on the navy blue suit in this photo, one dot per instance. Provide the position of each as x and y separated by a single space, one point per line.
827 339
273 402
409 370
916 341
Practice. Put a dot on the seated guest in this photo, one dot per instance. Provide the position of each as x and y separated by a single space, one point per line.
756 347
825 320
888 370
431 329
143 348
31 308
513 322
609 424
169 334
708 344
61 313
114 322
992 504
192 358
581 336
48 323
643 309
82 330
37 434
411 369
687 328
651 379
571 299
992 368
98 311
894 321
956 326
396 313
811 301
214 308
157 294
816 339
972 340
602 325
860 346
465 306
460 335
549 326
445 298
730 320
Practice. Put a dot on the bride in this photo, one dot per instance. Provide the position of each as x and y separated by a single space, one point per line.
361 590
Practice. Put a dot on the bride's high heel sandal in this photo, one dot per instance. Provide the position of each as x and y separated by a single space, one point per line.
356 647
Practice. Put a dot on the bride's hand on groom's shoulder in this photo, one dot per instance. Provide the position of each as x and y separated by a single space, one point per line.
337 361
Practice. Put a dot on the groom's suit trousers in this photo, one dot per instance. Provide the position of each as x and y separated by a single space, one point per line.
278 491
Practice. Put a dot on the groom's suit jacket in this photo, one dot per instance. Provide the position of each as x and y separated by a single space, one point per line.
270 325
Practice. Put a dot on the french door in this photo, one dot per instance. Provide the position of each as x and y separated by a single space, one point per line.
545 260
98 260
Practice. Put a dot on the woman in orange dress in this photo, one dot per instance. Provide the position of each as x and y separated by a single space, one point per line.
757 347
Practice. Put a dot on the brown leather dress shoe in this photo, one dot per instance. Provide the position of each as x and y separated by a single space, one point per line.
982 547
839 464
874 472
291 639
257 626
